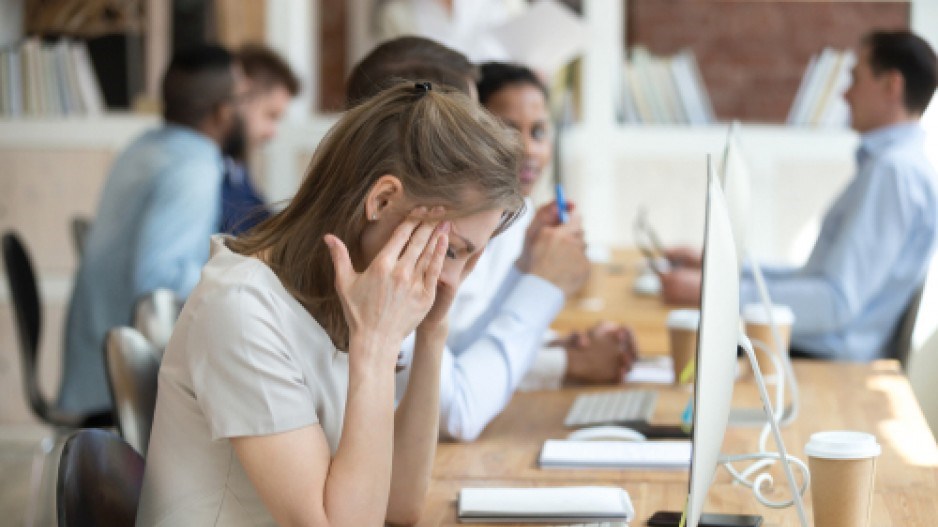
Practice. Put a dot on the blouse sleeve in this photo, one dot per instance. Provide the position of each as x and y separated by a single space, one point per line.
245 376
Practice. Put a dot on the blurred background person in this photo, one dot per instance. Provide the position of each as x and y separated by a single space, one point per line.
269 86
878 236
159 206
461 25
501 314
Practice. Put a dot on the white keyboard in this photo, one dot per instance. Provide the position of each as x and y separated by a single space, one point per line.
619 408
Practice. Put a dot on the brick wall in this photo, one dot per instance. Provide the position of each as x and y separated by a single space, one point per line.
334 52
753 53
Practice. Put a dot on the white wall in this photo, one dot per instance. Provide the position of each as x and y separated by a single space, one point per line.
925 20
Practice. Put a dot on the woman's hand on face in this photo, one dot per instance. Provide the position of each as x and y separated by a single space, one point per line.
385 303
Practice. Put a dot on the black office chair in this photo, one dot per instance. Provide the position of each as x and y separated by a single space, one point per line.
900 345
80 227
133 364
28 318
99 481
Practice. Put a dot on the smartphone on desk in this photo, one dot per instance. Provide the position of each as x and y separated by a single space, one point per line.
673 519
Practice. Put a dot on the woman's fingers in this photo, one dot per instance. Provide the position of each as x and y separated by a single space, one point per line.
435 264
344 272
401 235
429 249
422 240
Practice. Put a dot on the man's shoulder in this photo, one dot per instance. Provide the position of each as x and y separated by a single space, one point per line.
907 161
164 147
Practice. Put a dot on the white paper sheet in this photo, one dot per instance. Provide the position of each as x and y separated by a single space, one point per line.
657 370
658 455
544 503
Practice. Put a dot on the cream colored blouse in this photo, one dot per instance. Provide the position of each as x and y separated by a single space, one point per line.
245 359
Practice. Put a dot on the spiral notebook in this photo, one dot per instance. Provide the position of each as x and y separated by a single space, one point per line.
544 504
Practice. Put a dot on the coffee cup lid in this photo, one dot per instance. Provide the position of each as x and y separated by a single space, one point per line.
688 319
842 444
758 314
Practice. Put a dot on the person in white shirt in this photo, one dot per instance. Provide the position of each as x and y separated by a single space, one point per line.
276 392
500 317
462 25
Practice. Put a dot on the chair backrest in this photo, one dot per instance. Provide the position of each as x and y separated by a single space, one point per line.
99 481
80 228
28 314
901 343
132 371
155 315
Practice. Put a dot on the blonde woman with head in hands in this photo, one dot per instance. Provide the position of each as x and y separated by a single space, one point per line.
276 393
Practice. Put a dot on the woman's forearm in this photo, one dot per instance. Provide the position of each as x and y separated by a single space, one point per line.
358 483
416 430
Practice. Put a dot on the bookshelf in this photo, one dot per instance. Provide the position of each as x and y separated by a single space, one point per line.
753 53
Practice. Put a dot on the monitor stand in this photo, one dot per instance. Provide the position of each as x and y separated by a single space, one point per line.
765 458
782 361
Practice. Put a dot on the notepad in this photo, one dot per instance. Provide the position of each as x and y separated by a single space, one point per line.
652 370
544 504
651 455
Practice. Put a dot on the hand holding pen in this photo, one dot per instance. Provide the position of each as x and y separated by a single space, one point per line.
555 252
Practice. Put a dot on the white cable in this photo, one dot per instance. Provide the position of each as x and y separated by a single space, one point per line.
779 385
791 412
763 479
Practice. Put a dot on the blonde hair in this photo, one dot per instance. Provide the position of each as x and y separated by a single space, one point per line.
440 144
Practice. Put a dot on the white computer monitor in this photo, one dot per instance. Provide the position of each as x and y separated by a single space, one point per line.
717 341
735 182
716 346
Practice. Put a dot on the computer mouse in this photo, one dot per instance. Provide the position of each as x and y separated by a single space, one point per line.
647 283
606 433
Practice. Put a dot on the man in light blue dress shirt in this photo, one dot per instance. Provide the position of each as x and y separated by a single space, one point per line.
159 206
878 237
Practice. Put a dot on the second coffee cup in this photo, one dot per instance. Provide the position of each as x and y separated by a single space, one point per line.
682 335
759 329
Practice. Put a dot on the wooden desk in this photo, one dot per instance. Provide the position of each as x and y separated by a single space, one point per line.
608 295
875 398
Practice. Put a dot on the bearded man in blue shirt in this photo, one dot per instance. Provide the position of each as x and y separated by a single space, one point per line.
878 237
160 204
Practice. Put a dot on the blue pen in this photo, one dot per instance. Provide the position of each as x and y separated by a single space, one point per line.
562 120
562 213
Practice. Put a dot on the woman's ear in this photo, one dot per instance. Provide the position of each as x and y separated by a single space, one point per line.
385 192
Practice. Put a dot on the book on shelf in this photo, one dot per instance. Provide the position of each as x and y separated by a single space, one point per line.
664 90
48 80
819 100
